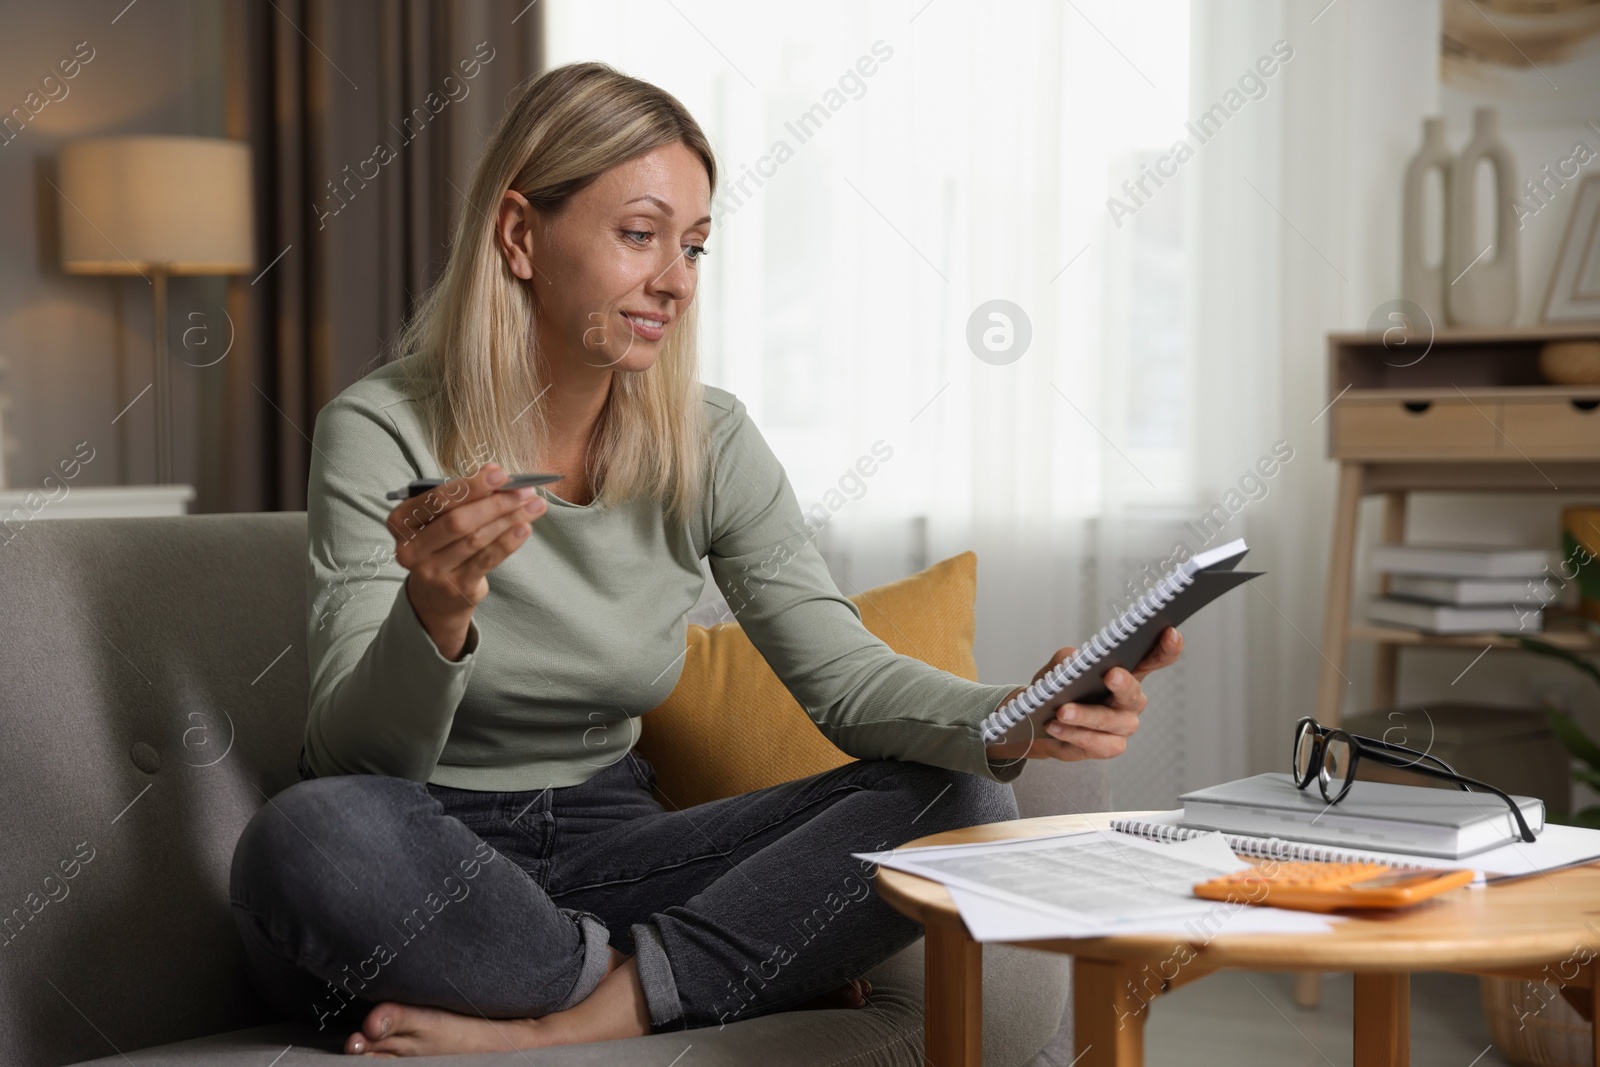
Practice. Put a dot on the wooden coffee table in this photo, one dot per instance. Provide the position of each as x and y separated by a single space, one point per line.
1545 928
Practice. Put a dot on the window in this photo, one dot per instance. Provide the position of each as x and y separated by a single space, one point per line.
888 168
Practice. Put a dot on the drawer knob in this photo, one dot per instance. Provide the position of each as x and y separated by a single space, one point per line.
1586 405
1417 407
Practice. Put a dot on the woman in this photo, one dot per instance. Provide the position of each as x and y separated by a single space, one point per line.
474 856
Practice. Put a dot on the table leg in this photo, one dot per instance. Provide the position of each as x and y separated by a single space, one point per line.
1382 1019
1593 993
952 997
1108 1013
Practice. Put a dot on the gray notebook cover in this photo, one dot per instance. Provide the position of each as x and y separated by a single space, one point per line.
1128 651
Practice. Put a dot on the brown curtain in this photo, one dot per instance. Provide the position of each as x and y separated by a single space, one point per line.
365 118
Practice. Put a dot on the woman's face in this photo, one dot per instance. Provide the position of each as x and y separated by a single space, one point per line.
615 268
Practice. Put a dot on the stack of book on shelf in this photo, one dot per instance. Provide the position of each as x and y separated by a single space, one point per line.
1455 589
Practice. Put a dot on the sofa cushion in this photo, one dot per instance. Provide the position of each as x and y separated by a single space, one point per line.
928 615
155 681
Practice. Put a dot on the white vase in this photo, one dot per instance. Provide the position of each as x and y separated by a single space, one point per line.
1481 289
1423 283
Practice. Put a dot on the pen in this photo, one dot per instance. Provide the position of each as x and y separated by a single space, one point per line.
516 481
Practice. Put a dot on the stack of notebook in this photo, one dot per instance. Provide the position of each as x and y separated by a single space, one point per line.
1452 589
1409 819
1257 817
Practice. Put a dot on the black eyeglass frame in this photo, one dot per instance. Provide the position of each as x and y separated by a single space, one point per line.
1386 753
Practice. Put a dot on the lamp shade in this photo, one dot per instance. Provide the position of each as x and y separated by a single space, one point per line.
178 204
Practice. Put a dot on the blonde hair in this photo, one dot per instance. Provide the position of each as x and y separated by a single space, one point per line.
479 371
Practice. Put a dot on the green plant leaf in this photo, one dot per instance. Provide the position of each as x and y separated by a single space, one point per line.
1542 648
1572 737
1589 817
1587 777
1579 744
1588 573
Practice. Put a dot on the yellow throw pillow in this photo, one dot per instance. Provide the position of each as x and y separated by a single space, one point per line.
731 727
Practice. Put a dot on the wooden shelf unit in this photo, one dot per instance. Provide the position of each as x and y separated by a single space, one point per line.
1573 640
1465 412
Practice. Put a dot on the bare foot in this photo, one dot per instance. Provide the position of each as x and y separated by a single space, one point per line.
615 1009
412 1030
391 1030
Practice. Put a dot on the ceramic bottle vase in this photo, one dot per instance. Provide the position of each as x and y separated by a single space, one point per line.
1480 288
1423 283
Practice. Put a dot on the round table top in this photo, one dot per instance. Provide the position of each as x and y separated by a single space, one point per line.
1534 920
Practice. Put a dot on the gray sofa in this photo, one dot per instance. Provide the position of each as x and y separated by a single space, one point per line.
154 682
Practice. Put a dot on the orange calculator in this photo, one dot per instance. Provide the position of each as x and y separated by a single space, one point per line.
1331 886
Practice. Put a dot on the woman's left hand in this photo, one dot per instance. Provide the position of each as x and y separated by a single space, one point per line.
1094 731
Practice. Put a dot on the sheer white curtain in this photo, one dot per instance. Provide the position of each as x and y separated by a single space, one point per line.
888 171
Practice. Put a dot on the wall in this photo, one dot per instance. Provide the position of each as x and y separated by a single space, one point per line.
77 349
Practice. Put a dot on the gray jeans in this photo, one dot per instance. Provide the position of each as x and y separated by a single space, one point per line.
356 889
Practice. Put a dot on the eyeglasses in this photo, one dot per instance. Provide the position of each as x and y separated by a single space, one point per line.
1331 757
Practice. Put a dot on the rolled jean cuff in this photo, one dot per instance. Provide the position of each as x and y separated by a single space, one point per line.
596 957
655 975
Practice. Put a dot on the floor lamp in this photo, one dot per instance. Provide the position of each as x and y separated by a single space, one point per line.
156 207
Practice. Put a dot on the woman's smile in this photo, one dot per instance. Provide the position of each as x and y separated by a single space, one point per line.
648 326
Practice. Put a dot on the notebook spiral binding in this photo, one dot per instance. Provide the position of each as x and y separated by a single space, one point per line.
1070 670
1266 848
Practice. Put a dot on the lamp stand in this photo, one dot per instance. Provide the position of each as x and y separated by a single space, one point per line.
158 279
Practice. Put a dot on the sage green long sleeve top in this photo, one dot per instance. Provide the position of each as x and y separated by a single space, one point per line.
584 629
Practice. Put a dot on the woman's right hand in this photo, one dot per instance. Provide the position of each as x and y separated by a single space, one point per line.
449 539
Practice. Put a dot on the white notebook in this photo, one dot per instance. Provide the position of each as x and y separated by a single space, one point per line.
1454 619
1122 642
1466 592
1460 561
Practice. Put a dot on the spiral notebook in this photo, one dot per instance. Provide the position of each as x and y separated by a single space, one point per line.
1262 848
1122 642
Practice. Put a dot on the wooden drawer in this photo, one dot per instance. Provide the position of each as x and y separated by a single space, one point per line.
1418 429
1566 429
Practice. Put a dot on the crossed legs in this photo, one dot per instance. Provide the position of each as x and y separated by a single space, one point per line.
360 890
